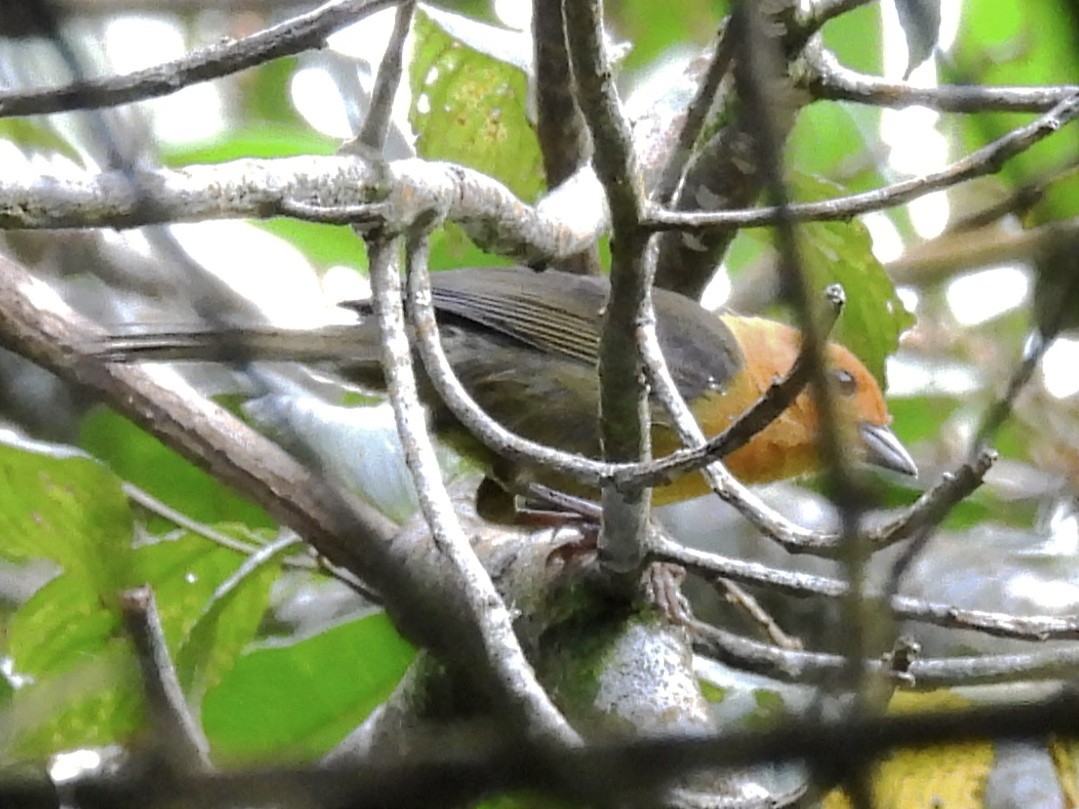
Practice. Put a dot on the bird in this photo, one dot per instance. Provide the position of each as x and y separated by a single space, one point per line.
525 346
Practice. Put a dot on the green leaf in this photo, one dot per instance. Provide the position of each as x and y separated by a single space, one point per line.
137 456
279 140
324 245
267 98
856 39
94 704
57 503
683 23
713 693
919 418
452 248
874 317
299 699
470 108
7 687
33 134
844 154
771 709
85 685
227 623
1019 43
63 623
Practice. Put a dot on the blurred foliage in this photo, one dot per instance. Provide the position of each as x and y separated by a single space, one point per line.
955 777
330 682
653 38
1013 42
68 675
140 458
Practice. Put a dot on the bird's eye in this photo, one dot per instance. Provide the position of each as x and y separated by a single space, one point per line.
848 385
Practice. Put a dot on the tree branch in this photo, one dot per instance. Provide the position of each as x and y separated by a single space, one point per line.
175 730
1002 625
345 185
605 774
537 714
984 161
826 78
802 667
623 410
426 605
293 36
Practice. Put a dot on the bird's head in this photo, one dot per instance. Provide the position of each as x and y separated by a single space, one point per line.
861 403
770 349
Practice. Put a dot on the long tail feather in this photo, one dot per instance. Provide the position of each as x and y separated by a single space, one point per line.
352 342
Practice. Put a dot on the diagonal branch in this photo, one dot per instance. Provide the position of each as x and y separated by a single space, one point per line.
984 161
301 33
537 714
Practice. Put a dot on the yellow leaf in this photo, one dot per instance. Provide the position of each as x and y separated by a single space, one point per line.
953 777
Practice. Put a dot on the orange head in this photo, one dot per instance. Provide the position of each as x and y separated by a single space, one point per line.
788 446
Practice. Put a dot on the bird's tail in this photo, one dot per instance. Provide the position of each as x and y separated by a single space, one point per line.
354 342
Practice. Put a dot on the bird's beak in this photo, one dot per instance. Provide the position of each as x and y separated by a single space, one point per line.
883 449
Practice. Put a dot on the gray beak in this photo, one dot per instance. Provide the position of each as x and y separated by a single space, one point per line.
883 449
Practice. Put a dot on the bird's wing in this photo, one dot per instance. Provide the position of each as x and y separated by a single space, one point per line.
562 313
558 318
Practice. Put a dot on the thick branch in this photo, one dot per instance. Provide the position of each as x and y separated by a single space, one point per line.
262 189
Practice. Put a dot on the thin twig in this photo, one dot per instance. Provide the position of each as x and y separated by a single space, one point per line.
696 115
152 504
996 624
742 598
182 741
930 509
1001 410
380 113
959 251
984 161
296 35
779 396
826 78
177 517
802 667
252 563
